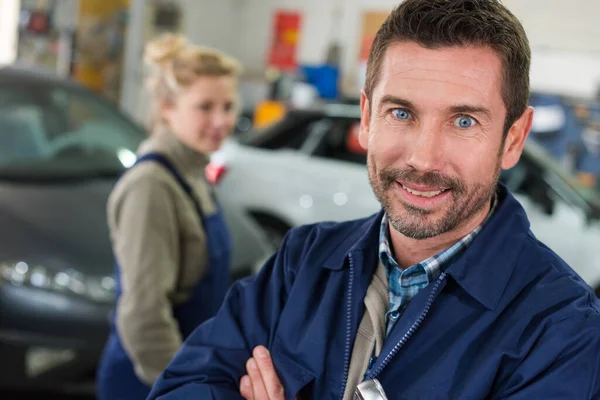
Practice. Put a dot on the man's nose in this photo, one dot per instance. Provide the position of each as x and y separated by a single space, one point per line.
426 150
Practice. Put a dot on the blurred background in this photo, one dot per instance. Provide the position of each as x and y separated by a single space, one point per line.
72 108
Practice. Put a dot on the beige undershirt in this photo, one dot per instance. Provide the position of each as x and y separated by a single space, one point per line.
371 331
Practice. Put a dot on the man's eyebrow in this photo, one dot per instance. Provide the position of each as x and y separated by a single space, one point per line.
397 101
468 109
458 109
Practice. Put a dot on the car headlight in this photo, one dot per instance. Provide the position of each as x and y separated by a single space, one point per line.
100 289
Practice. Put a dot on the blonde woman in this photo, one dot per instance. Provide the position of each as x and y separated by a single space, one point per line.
169 237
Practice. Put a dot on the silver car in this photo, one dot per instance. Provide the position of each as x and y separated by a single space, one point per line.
308 168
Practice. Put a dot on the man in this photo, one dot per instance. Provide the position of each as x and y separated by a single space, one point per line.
445 294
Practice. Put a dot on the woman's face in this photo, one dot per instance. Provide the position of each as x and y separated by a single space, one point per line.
204 113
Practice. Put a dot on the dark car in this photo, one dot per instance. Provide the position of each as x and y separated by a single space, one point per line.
62 149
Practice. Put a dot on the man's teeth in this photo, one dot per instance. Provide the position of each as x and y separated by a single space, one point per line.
423 194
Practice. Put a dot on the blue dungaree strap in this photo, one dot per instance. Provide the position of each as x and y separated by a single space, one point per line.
164 161
116 376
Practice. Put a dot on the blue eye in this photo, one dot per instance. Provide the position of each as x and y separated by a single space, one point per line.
464 122
400 113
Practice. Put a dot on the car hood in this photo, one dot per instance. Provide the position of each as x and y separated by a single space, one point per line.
58 226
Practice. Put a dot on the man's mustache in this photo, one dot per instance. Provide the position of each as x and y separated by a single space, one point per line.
389 176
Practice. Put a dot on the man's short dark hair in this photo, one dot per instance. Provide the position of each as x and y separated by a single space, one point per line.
436 24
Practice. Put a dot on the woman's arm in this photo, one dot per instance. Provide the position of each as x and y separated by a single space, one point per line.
146 244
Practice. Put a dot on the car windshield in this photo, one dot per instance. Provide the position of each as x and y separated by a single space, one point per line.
56 131
288 132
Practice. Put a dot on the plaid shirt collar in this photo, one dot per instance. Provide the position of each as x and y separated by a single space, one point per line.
405 284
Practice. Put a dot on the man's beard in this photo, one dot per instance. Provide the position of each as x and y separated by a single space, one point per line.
412 221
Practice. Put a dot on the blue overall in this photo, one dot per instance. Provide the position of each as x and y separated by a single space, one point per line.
116 376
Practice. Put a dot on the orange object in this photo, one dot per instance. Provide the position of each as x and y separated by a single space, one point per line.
97 24
587 179
371 22
365 48
90 77
105 8
352 142
267 112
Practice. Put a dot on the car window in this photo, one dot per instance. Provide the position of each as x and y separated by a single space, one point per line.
289 133
297 135
341 142
48 124
542 180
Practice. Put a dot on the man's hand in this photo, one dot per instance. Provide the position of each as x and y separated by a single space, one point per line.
262 382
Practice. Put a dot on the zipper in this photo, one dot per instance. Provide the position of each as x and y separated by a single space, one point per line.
412 329
348 327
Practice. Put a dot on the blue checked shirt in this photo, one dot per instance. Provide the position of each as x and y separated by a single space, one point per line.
405 284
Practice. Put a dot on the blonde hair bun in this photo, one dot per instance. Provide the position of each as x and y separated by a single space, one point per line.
175 63
164 49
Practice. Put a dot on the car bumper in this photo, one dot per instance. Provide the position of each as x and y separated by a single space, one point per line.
49 340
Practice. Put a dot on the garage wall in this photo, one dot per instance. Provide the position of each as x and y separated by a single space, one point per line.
256 25
558 31
213 23
567 25
563 35
568 72
243 27
565 46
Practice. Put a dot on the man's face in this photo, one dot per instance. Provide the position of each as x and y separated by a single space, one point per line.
434 135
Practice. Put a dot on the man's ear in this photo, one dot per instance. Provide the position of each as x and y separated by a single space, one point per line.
515 139
365 119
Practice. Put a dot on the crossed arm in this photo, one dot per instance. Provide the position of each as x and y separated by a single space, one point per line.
261 381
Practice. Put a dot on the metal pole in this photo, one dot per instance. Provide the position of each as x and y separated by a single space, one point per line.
9 27
133 63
